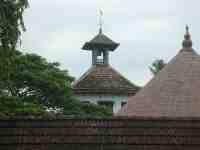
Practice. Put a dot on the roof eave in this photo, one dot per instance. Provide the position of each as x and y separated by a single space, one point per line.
103 46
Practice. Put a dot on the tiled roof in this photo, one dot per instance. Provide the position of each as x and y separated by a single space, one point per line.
101 41
174 92
104 79
102 134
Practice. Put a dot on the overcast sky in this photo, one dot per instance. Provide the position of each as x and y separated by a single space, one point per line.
146 30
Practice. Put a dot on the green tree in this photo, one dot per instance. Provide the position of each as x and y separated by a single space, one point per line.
14 107
96 111
81 110
36 82
34 78
11 27
157 66
11 22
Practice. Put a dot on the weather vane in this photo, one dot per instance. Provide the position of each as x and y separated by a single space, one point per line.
100 21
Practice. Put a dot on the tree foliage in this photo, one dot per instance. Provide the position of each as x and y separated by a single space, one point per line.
81 110
11 27
36 82
11 22
157 66
34 78
13 107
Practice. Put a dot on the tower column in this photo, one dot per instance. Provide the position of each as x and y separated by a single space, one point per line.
94 57
106 57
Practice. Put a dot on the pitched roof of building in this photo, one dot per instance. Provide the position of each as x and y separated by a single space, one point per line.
104 79
101 41
174 92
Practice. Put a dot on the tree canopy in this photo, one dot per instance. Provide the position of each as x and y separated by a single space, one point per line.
157 66
39 83
11 22
13 107
11 27
35 78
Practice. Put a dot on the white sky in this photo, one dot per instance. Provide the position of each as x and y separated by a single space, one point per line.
146 30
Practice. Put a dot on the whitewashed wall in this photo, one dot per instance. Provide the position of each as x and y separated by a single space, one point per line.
117 100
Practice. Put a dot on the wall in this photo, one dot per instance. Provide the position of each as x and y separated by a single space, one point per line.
94 134
116 99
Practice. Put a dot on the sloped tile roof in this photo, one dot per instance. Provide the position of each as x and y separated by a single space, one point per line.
104 79
101 41
174 92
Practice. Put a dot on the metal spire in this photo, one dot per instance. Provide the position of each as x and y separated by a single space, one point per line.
100 21
187 29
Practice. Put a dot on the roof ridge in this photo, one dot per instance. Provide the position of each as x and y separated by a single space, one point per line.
122 76
83 76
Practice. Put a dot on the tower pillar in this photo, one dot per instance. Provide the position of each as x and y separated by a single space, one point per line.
106 57
94 57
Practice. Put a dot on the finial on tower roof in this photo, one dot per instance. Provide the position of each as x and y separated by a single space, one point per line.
187 29
100 21
187 42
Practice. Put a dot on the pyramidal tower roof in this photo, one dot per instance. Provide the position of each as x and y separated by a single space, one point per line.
100 41
173 92
103 79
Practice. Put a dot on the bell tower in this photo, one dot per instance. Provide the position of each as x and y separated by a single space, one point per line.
100 46
101 84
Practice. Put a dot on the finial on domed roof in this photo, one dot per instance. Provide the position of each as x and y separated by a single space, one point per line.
187 42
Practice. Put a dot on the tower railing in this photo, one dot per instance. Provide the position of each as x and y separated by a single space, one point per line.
100 61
